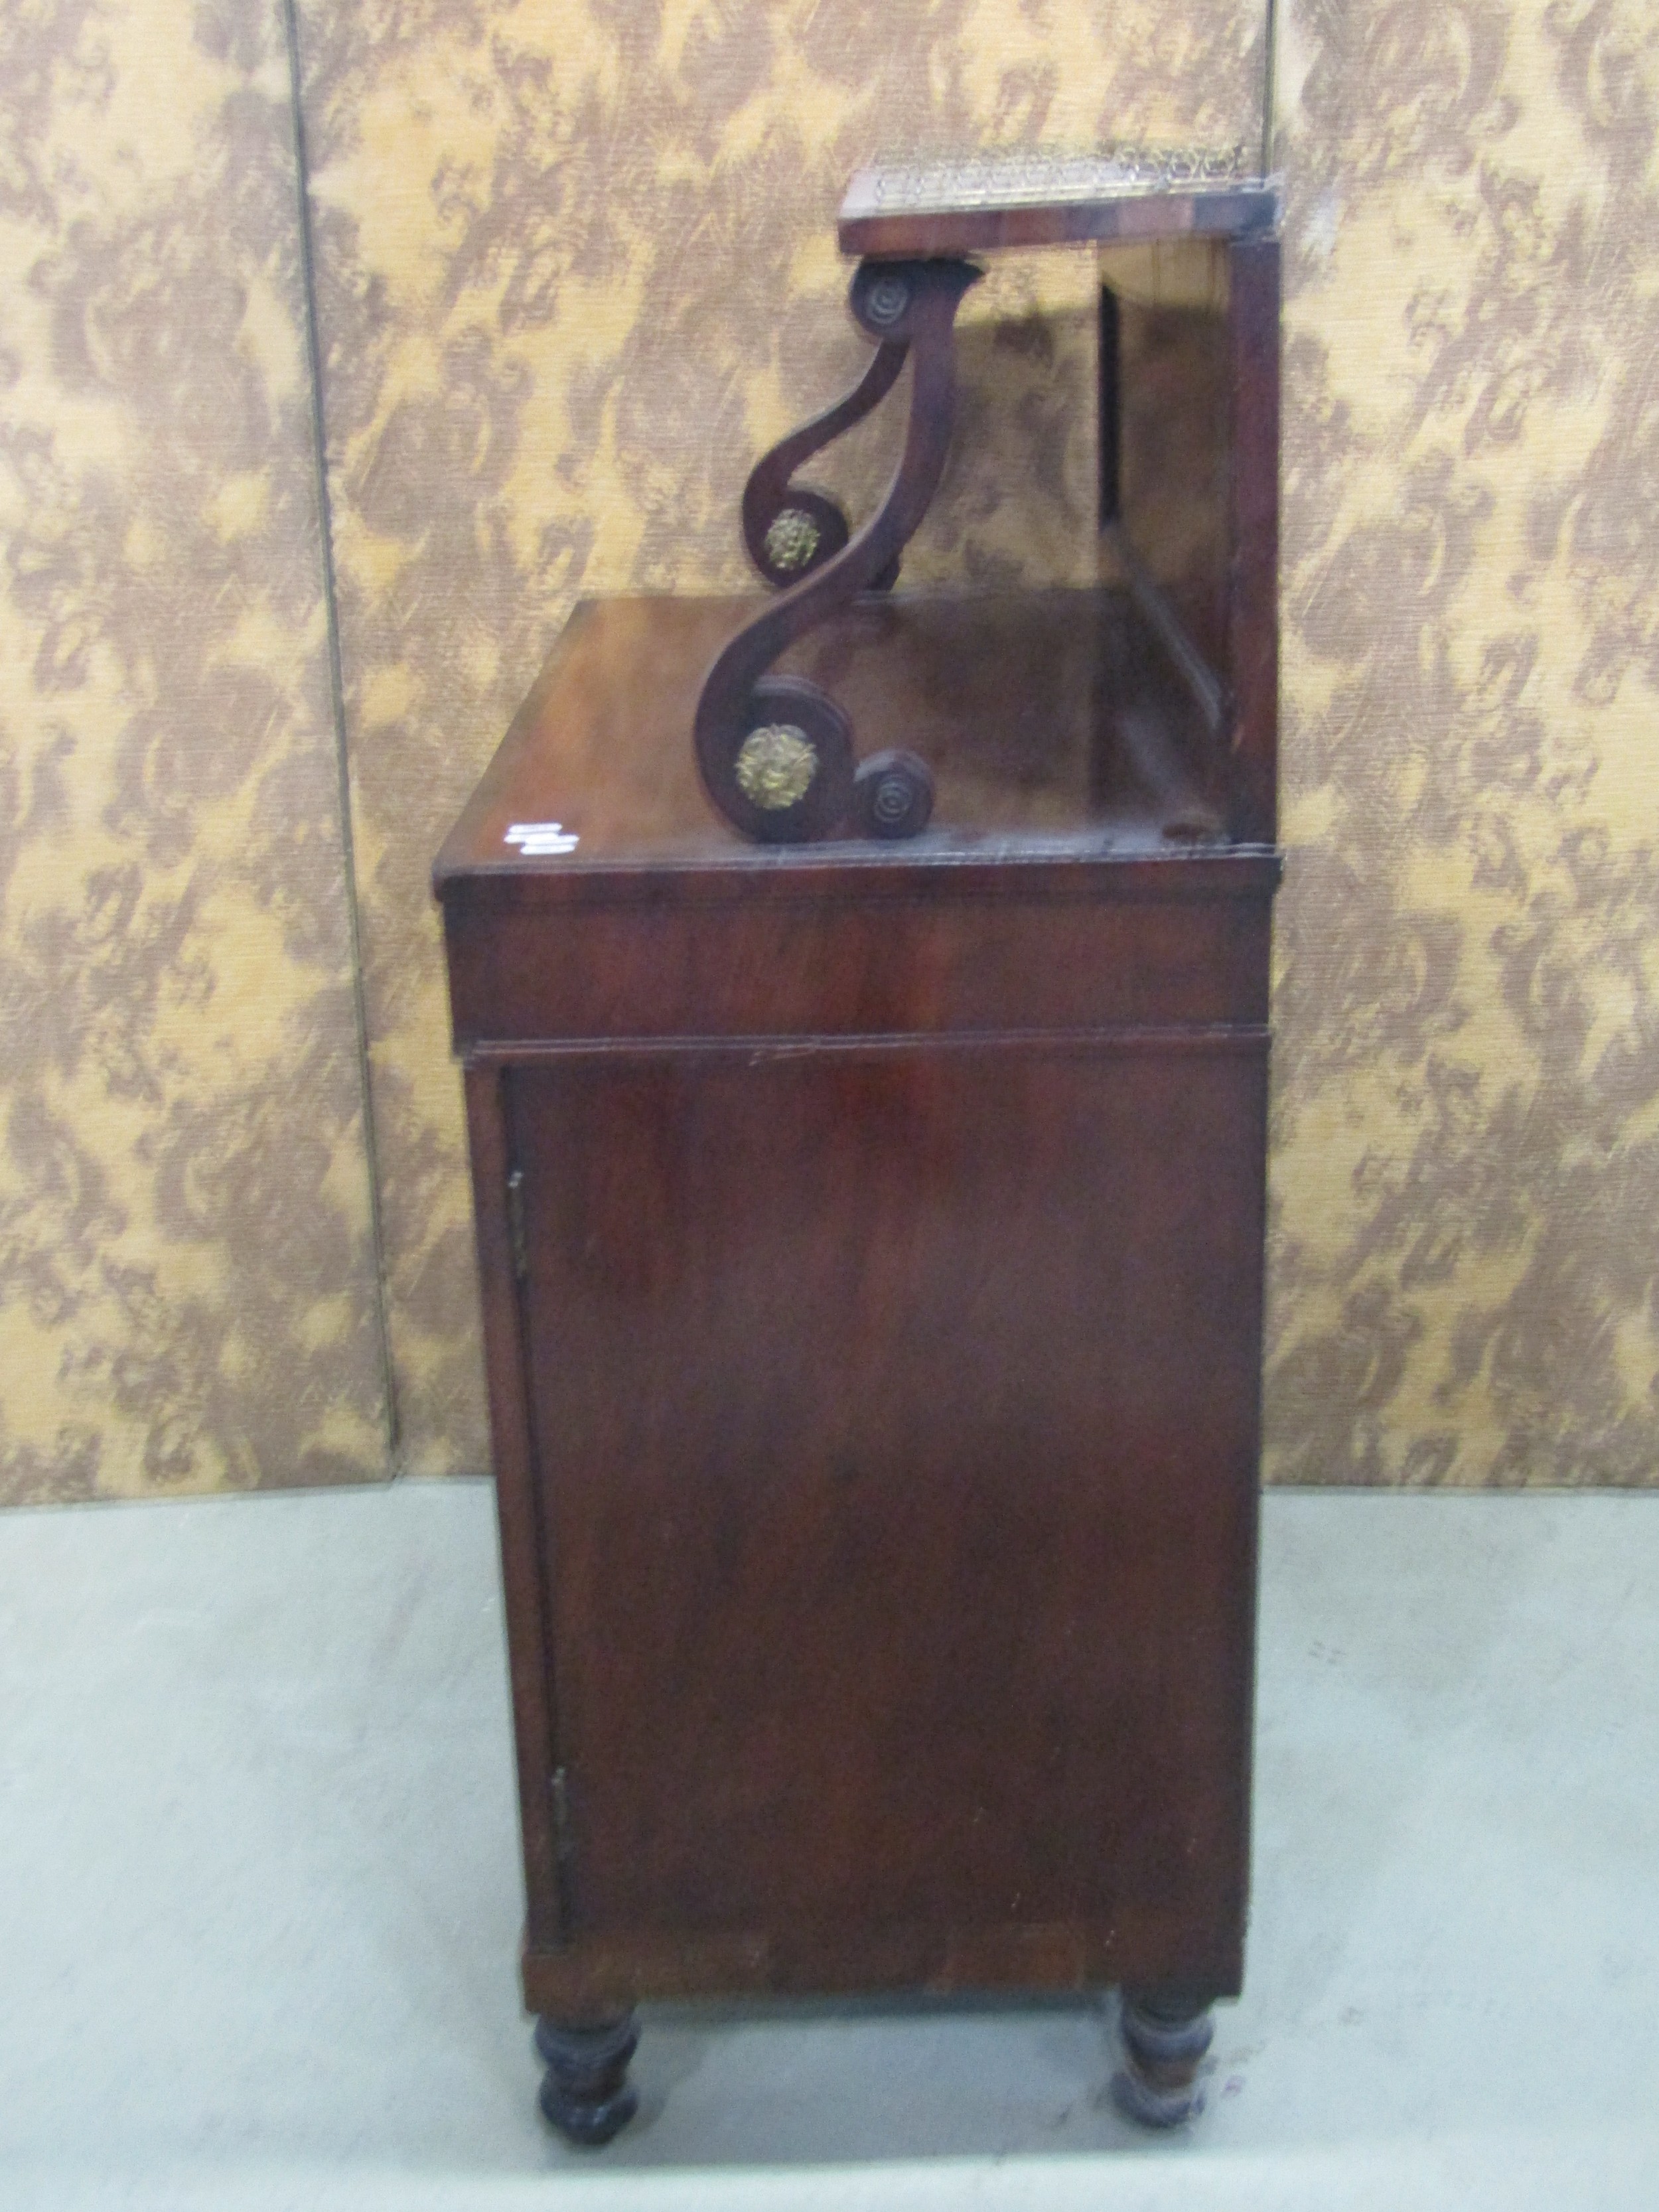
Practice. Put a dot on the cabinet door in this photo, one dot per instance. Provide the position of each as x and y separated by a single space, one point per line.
896 1411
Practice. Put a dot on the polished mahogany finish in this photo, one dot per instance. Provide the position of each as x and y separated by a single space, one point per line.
585 2088
778 751
871 1247
1164 2042
816 787
871 1236
789 531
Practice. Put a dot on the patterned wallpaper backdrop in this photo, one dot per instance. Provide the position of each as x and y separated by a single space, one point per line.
186 1277
573 267
1467 1156
576 268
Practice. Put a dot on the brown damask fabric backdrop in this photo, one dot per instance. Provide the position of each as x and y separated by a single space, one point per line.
187 1281
1467 1148
576 267
573 267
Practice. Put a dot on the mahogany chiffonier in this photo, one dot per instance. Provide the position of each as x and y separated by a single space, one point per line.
869 1169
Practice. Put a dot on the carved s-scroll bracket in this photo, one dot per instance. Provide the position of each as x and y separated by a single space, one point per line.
775 752
791 530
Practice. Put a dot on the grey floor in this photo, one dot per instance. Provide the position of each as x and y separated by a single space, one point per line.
260 1898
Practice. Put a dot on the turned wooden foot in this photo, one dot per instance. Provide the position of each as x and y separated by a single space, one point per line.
1165 2039
585 2092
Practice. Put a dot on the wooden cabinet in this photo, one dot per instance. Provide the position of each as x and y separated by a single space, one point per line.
871 1245
895 1419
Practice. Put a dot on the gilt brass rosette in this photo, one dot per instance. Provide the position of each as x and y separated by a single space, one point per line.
775 765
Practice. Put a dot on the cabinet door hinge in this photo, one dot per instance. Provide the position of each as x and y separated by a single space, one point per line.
561 1796
515 1228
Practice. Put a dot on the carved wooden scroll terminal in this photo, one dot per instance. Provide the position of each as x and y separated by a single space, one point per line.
775 752
790 530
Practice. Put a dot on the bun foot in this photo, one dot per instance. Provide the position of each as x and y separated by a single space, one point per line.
1164 2040
585 2092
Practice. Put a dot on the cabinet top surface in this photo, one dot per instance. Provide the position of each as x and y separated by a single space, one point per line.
595 787
978 203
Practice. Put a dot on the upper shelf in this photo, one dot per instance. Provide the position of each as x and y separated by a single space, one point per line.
978 204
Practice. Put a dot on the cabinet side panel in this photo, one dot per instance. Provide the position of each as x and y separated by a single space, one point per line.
898 1415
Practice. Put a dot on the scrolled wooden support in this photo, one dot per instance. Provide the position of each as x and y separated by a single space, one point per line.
775 753
786 757
790 530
